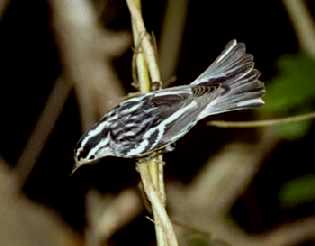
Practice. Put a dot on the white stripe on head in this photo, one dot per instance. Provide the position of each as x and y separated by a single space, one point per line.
104 142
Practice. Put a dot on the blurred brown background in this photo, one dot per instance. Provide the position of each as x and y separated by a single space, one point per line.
64 63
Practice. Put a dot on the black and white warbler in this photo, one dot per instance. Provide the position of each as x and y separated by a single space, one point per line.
155 120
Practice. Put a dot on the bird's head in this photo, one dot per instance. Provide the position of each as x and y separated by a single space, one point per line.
93 145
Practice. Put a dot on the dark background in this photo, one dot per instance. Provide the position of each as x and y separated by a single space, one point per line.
31 64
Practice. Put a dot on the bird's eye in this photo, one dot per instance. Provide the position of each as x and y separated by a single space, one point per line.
92 157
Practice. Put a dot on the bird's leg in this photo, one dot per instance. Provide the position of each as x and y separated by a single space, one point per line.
150 156
169 148
156 85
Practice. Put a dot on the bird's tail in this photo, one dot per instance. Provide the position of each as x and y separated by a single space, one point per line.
234 71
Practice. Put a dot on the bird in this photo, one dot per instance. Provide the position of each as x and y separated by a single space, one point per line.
154 121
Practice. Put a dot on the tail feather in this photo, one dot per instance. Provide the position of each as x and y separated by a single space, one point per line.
234 69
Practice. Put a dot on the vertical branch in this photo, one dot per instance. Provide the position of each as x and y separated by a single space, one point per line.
141 68
145 42
162 222
151 168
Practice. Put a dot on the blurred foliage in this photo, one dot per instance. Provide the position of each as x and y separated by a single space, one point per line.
204 241
293 87
293 130
198 241
292 90
298 191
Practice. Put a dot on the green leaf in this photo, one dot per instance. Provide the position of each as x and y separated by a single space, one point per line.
294 87
292 90
293 130
298 191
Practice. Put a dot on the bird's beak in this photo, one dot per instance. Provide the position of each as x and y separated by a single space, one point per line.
75 168
78 164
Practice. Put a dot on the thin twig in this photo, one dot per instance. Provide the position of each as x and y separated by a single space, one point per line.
146 65
261 123
151 169
148 48
157 206
142 72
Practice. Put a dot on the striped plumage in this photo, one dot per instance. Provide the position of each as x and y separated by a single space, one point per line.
155 120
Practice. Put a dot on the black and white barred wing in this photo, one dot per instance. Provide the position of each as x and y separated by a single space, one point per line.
137 128
180 108
163 117
129 131
179 111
